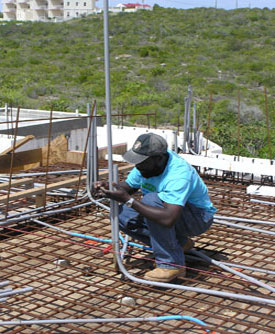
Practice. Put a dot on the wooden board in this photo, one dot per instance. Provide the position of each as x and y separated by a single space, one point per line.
20 159
56 185
16 183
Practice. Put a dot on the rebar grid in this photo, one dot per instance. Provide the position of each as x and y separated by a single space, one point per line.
89 287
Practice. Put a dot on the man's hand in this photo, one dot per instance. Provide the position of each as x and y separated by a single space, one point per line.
119 194
99 185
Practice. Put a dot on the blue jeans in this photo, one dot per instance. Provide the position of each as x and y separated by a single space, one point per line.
166 242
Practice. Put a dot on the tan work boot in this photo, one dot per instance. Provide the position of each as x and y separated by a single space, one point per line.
188 245
164 274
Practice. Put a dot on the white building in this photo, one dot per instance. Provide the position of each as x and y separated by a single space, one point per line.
131 7
45 10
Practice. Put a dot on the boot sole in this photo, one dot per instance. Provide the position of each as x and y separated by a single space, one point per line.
164 280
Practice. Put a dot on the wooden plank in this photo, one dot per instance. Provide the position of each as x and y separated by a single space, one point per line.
58 151
16 183
57 185
20 159
75 157
19 143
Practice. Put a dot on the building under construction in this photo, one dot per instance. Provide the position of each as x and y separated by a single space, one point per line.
66 269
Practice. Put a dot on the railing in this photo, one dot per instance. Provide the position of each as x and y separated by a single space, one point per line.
55 7
9 10
40 7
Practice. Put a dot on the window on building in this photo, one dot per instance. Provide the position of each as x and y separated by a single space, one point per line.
68 4
68 14
76 3
84 4
76 13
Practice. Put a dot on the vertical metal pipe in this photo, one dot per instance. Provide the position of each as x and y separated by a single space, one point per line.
108 116
89 158
175 141
195 128
115 224
108 90
122 116
94 140
11 118
178 126
239 123
267 126
48 156
185 125
12 161
7 116
208 123
84 154
189 113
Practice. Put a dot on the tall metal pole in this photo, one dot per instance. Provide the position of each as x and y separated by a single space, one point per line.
239 123
113 204
267 126
108 90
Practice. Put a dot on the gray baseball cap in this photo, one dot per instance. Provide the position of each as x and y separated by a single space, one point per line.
145 146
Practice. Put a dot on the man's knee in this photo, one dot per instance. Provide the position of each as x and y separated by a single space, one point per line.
152 199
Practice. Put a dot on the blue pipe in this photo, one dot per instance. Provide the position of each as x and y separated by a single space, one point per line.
102 320
183 317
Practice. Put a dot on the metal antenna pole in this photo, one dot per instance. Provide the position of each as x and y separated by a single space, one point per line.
109 119
108 90
185 124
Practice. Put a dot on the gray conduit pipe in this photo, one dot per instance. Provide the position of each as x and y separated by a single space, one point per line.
53 212
175 286
39 208
222 222
103 320
230 264
92 162
4 283
253 221
47 213
248 268
6 290
235 272
262 202
15 292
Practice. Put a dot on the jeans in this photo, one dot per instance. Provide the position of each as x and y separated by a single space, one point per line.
166 242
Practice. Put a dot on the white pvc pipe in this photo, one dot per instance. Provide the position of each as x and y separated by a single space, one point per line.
222 222
253 221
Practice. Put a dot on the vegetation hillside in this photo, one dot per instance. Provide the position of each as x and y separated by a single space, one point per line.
154 56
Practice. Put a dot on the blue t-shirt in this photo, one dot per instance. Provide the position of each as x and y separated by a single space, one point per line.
179 183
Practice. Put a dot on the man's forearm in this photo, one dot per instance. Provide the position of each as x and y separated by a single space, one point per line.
127 188
165 216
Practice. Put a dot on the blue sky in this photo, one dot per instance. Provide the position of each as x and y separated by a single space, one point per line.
226 4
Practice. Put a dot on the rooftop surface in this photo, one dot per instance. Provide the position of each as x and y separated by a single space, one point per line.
74 277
